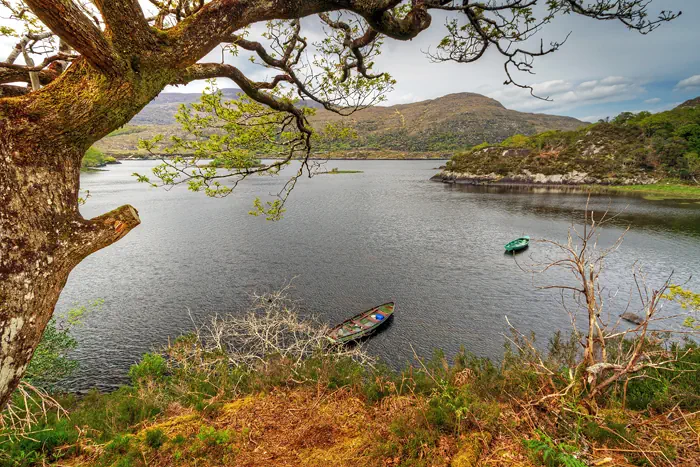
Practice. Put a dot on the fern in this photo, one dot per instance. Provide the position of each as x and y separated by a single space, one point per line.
552 454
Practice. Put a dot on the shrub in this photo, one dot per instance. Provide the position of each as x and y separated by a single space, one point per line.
155 438
516 141
151 367
119 445
93 158
611 432
212 437
51 363
551 454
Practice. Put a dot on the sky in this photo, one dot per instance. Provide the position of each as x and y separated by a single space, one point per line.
602 69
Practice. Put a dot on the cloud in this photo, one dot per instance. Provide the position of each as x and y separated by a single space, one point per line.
689 83
566 95
653 100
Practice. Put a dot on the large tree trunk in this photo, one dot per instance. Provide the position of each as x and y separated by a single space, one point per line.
43 137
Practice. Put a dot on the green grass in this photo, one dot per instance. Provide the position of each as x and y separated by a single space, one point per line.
659 191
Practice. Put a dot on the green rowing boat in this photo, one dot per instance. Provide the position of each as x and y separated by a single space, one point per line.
518 244
361 325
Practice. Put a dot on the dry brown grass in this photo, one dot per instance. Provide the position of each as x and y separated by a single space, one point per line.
316 427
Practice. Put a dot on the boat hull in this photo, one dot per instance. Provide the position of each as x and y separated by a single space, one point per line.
362 324
518 244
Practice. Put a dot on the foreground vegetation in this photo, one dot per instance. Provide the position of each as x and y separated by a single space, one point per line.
630 147
191 407
228 396
268 388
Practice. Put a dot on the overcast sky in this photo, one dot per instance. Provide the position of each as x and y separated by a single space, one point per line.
602 70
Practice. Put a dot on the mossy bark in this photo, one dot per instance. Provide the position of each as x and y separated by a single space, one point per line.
43 137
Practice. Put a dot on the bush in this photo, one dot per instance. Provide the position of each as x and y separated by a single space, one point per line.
151 367
661 390
93 158
155 438
112 414
119 445
44 442
212 437
51 363
546 451
516 141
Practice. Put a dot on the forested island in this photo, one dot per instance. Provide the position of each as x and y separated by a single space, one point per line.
660 150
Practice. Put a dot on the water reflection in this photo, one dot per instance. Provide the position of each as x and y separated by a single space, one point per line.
624 209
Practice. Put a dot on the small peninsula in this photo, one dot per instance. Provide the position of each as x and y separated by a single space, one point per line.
631 150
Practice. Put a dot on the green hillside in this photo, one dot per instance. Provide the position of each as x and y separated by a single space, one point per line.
631 148
435 128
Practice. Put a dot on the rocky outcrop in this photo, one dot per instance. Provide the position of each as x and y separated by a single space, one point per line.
691 103
525 177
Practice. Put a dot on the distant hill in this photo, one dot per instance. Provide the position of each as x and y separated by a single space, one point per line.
443 125
162 109
629 149
448 123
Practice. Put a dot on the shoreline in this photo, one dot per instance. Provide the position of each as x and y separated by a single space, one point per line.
657 191
347 156
315 159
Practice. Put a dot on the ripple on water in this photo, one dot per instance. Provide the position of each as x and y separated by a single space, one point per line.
351 241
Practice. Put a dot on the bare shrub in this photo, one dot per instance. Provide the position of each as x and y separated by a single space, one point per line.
27 409
272 327
611 353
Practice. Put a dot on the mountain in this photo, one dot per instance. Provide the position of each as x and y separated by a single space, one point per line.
162 109
448 123
438 126
630 149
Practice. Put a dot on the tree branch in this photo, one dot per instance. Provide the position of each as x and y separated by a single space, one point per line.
251 88
104 230
21 74
68 22
216 21
13 91
126 23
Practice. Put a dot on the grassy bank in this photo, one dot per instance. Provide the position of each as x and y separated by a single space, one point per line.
198 405
336 411
660 191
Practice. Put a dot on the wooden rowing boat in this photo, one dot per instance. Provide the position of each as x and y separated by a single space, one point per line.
362 324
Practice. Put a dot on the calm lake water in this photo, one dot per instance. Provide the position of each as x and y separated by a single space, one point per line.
352 241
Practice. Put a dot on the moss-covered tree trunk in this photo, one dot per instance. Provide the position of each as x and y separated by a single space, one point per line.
43 137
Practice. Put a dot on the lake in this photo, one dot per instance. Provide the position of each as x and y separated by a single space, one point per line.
349 242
